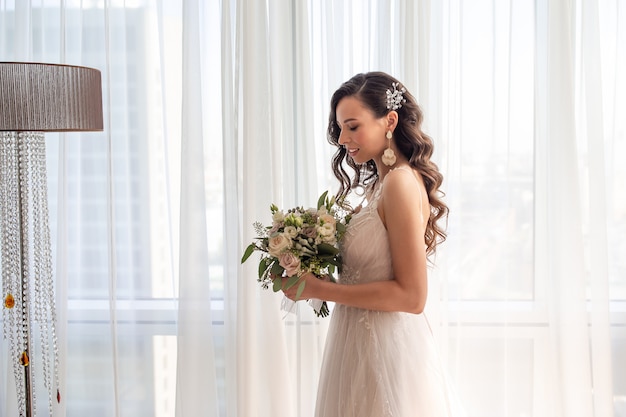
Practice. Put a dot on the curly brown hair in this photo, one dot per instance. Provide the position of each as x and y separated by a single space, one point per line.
370 88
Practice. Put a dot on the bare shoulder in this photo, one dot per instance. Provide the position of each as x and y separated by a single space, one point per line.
402 184
401 195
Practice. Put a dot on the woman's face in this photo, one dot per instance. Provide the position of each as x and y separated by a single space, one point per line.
362 134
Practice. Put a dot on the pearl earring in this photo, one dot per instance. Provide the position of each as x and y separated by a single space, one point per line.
389 156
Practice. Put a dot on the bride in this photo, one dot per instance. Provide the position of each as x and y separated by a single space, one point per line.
380 358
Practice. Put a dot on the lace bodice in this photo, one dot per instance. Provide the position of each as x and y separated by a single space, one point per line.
365 247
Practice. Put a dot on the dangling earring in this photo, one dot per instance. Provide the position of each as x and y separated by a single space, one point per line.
389 156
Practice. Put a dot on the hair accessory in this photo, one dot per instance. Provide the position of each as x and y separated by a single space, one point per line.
395 97
389 156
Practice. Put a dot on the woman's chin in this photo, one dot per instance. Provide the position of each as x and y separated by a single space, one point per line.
358 160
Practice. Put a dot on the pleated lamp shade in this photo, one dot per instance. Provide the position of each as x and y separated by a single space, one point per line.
49 98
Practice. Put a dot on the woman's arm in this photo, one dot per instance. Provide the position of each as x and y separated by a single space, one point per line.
399 208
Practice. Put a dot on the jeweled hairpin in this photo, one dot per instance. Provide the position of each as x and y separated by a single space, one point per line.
395 97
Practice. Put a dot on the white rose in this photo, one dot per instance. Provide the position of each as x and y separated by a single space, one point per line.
278 244
327 218
291 231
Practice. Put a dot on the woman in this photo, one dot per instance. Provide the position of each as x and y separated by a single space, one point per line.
380 358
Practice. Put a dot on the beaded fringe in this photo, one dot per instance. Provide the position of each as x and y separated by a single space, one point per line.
29 312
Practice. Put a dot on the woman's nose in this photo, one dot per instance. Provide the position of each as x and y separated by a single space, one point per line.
342 137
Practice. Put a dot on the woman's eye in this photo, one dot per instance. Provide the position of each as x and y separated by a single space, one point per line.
352 128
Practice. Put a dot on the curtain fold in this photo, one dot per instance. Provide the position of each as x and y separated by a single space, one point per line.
232 230
261 348
195 370
593 113
568 320
111 224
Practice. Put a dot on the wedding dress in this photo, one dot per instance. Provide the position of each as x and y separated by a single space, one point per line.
378 364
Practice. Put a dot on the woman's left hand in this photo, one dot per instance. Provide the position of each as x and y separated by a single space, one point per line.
310 281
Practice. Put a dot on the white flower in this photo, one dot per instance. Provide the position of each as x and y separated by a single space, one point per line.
278 244
278 217
291 231
327 219
326 230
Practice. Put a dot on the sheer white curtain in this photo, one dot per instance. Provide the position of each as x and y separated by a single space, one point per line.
532 292
278 357
214 110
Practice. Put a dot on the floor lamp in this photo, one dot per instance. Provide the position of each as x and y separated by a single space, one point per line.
35 98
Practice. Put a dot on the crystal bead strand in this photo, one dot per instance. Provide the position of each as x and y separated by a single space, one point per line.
36 293
47 263
39 298
11 260
46 301
7 208
27 318
17 329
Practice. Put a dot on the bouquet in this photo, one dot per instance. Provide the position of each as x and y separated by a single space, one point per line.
299 241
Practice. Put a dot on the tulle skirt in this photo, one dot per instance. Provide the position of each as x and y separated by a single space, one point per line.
380 364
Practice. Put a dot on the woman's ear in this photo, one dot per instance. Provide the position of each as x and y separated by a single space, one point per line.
392 120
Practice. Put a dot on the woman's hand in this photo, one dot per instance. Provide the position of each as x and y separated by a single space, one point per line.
311 282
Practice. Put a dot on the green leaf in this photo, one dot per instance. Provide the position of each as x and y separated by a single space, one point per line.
277 269
300 289
251 248
341 228
292 281
321 200
278 283
326 249
262 267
